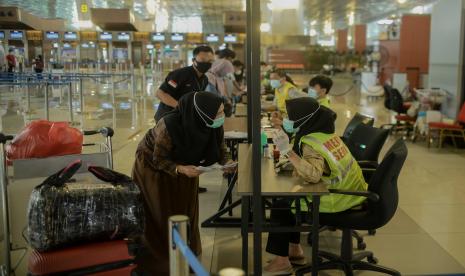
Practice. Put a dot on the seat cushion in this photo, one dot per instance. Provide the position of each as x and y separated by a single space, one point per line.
405 118
444 125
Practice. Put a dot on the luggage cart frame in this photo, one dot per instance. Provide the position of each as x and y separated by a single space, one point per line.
105 148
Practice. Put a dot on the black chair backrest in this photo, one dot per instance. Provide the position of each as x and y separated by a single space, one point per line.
393 100
354 122
365 142
384 183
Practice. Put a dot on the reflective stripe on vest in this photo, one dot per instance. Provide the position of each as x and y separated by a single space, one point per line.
343 170
281 95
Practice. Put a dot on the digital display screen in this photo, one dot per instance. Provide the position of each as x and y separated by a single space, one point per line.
213 38
16 34
232 38
125 106
107 106
106 36
149 46
70 36
85 45
2 34
66 45
158 37
52 35
177 37
124 36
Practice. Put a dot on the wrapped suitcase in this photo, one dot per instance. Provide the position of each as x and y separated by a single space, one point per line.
63 213
115 258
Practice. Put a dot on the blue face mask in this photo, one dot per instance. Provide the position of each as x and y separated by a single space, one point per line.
288 125
275 84
218 122
312 93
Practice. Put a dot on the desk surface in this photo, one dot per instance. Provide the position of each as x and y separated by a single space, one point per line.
241 110
273 184
235 124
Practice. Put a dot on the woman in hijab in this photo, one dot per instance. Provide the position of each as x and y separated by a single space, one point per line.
317 155
166 171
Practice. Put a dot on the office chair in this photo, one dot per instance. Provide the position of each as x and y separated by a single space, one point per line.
382 200
365 144
354 122
394 101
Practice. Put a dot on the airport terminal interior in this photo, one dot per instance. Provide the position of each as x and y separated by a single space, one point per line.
396 76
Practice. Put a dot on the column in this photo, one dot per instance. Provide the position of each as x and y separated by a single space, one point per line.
341 46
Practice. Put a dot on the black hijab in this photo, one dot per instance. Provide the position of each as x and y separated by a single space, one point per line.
194 143
322 121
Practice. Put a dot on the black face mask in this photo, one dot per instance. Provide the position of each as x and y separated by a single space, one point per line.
202 67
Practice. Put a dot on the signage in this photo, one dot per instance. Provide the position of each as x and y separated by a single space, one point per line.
106 36
177 37
212 38
158 37
230 38
52 35
70 36
16 34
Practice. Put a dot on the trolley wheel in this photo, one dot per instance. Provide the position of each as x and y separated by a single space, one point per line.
361 246
372 260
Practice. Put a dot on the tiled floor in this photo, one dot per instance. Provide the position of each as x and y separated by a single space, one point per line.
426 236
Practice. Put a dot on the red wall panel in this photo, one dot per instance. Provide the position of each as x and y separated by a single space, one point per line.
360 36
341 45
414 42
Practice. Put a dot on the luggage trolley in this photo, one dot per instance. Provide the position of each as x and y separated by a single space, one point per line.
18 180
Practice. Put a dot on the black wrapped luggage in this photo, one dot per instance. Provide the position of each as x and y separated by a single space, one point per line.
62 212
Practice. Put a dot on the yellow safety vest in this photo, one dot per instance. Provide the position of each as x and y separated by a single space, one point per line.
345 172
281 95
324 102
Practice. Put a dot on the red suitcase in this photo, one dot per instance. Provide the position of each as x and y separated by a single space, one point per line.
115 258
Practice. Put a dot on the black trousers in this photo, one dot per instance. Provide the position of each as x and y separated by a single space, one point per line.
278 243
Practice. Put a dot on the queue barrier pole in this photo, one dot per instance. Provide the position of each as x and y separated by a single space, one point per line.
178 233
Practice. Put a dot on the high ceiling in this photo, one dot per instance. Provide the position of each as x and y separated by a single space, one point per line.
211 11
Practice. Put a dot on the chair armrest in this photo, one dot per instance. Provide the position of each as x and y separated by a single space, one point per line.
370 195
368 164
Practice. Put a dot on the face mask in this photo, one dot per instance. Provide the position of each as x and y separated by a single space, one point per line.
312 93
216 122
288 125
238 72
202 67
275 84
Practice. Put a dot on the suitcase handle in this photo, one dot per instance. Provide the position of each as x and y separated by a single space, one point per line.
60 178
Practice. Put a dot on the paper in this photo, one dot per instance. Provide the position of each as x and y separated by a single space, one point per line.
216 167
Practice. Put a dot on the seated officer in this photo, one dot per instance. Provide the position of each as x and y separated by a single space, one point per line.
317 154
319 88
285 89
